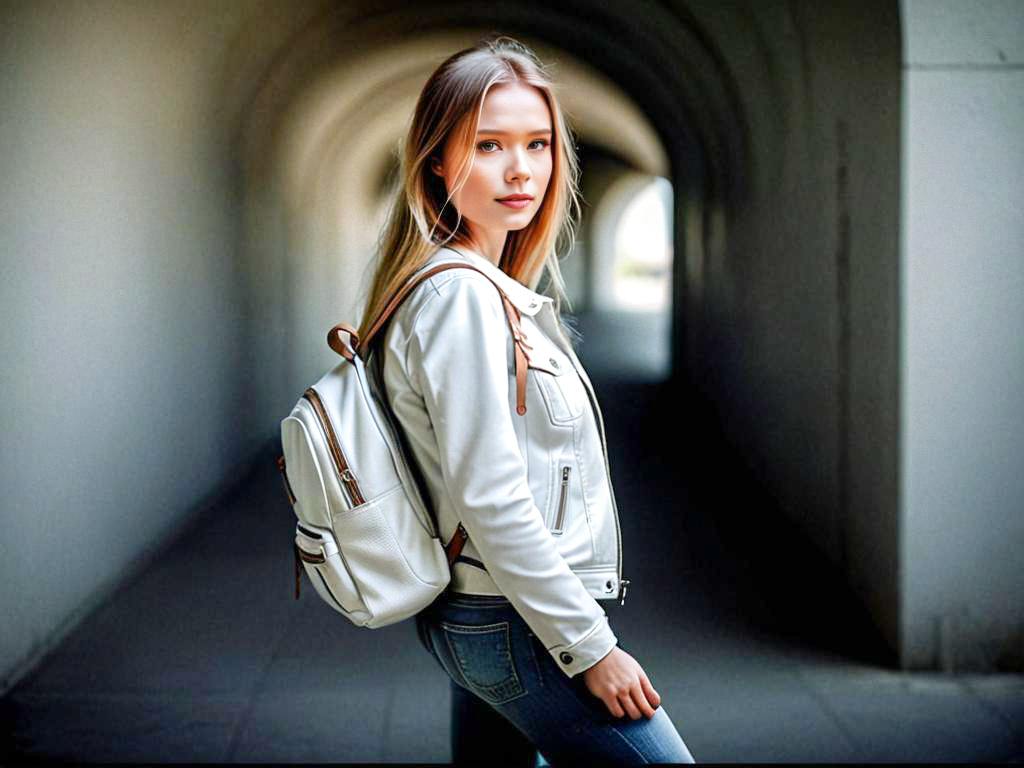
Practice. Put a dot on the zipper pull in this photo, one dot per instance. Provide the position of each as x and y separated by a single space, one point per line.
284 479
623 585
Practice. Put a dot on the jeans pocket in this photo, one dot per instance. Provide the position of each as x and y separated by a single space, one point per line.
483 655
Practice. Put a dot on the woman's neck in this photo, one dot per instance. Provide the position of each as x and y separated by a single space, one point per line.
487 250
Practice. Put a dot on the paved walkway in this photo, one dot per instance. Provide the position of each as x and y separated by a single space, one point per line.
757 652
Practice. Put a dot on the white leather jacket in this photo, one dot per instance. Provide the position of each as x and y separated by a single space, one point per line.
533 491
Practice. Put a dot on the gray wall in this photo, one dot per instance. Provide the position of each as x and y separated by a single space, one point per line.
962 583
123 405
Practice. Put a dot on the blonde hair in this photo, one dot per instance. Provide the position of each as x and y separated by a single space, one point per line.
421 218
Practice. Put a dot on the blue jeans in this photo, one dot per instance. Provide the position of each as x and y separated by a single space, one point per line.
510 699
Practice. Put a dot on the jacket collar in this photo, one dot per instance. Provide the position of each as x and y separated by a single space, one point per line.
528 302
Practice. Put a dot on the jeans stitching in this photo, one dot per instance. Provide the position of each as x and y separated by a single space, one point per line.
630 744
533 655
511 682
465 629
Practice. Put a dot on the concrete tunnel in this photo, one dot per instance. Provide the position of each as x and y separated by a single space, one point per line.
191 194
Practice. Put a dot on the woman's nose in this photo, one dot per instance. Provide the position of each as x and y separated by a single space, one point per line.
520 168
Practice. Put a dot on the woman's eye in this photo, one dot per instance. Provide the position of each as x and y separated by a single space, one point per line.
485 145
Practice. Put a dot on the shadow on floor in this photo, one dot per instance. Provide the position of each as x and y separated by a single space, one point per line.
757 649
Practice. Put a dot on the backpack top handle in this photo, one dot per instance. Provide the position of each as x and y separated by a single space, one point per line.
348 351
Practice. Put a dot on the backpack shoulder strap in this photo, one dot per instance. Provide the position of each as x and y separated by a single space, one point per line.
396 300
361 346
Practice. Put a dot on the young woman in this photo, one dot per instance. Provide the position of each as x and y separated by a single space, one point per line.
489 180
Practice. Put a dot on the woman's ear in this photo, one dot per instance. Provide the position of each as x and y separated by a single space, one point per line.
436 167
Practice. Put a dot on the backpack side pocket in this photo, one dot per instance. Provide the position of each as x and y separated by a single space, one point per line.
318 552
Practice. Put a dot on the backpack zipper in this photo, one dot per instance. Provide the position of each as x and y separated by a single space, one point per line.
302 555
344 472
561 499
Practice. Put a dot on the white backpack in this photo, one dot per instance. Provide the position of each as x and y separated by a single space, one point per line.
366 535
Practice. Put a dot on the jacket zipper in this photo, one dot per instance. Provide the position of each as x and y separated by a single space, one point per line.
561 500
348 479
623 583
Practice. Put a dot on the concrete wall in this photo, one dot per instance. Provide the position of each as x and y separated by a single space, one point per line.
123 408
792 312
962 582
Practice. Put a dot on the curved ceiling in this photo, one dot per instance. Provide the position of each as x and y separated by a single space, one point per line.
339 136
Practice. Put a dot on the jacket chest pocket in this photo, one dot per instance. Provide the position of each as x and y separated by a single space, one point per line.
558 383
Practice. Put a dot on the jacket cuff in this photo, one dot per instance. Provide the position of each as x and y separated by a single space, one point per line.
586 652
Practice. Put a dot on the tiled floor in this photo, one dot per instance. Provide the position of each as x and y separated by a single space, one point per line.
208 657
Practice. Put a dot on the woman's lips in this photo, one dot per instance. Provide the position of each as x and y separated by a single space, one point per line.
520 203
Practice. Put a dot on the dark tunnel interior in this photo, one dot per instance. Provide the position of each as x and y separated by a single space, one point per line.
796 279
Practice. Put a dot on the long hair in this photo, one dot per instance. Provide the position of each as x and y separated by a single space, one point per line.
422 217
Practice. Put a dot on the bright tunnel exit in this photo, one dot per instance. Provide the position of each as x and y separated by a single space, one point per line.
627 323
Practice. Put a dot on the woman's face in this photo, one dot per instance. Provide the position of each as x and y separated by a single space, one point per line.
511 156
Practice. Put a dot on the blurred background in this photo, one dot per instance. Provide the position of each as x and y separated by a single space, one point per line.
798 278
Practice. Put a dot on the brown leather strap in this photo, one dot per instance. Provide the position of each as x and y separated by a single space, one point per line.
399 297
521 358
361 346
454 547
284 477
520 381
335 343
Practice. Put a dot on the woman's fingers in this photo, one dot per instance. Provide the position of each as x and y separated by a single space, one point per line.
626 699
630 694
652 695
640 699
613 705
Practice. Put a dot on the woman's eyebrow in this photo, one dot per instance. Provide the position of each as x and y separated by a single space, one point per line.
505 133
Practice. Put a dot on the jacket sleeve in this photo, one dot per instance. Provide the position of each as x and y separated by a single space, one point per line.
458 358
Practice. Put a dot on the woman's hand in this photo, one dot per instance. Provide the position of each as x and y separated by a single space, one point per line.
621 683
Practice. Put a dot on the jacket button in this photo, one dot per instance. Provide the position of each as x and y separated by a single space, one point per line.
554 363
565 657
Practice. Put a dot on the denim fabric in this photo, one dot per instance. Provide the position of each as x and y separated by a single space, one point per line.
510 699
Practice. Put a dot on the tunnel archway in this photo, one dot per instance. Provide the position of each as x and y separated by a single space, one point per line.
372 66
792 350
